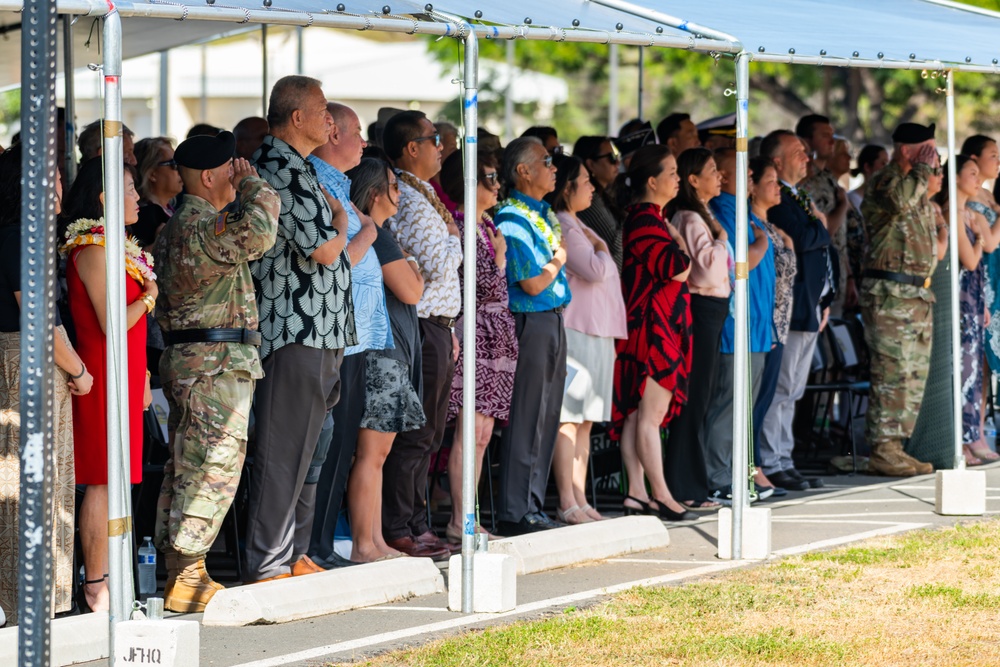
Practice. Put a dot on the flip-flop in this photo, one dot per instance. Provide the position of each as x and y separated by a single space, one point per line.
985 454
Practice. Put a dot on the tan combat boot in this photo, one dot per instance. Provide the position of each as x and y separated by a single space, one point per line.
192 588
170 560
918 465
888 459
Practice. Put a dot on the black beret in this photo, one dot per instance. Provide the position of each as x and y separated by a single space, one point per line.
205 152
913 133
632 142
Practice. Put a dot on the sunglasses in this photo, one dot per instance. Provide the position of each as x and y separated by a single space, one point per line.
436 138
547 161
491 178
938 171
168 163
394 185
613 157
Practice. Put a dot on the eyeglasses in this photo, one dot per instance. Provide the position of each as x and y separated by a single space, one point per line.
547 161
436 138
168 163
491 178
394 185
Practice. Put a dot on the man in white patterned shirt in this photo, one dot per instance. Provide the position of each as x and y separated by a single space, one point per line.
425 229
306 321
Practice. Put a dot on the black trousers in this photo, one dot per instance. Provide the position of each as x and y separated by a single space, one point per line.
404 475
528 441
334 464
300 385
684 469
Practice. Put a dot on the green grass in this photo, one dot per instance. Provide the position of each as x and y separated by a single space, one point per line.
878 603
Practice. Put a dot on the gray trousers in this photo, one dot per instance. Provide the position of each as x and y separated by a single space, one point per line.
528 442
719 418
776 438
300 385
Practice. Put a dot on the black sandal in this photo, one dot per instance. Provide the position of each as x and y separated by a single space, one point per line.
643 508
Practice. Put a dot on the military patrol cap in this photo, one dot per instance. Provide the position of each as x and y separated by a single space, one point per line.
913 133
205 152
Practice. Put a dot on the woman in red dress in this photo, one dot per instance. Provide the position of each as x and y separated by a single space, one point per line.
651 371
85 279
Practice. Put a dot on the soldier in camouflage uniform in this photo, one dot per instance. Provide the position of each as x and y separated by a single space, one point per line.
208 312
896 302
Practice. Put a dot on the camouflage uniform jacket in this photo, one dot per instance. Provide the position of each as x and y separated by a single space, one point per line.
901 230
204 279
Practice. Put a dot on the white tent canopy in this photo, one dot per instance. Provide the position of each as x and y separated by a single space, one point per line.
889 30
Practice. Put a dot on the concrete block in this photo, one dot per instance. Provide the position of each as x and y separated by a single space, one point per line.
75 639
162 643
560 547
960 492
295 598
494 584
756 533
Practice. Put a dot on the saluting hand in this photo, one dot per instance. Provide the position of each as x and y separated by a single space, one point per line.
241 169
926 154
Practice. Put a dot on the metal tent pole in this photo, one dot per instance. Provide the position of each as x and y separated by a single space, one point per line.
300 55
613 123
263 78
164 94
953 230
741 379
471 121
119 501
38 167
508 99
70 102
642 67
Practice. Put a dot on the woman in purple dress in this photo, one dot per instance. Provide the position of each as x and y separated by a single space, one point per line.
496 341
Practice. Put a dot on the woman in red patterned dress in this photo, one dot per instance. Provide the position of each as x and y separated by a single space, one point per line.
651 372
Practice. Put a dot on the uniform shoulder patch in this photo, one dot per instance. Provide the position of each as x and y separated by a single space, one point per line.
220 223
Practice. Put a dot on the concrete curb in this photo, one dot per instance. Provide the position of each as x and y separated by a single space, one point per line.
560 547
323 593
75 639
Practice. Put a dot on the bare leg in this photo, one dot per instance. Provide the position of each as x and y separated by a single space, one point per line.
563 469
364 489
580 460
484 432
630 459
94 538
652 408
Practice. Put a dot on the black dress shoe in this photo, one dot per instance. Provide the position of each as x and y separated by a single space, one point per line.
534 522
334 561
813 482
786 481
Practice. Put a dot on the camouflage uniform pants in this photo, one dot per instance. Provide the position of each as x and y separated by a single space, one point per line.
898 332
208 437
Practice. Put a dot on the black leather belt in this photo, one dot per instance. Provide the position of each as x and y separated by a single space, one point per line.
245 336
905 278
446 322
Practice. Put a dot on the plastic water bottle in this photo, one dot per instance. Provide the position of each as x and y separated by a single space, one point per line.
147 567
990 433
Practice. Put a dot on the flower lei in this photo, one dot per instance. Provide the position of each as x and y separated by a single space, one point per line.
802 199
84 232
548 227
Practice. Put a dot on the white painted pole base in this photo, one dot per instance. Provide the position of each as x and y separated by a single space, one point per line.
960 492
162 643
494 585
756 533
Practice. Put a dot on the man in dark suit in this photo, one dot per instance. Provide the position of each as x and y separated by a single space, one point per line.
798 217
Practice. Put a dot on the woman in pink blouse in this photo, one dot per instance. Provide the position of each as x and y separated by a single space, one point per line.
594 319
710 287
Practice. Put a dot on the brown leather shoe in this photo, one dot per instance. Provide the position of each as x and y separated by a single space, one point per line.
429 539
305 565
410 547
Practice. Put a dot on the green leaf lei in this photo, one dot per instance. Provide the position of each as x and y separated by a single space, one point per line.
802 199
548 227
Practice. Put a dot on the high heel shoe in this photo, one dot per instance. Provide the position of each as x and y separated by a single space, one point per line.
667 514
643 508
